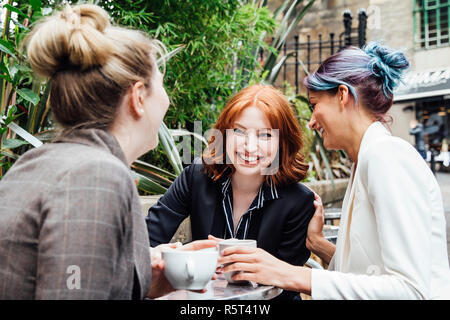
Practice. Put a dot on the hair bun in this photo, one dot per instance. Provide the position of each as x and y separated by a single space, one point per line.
387 64
71 38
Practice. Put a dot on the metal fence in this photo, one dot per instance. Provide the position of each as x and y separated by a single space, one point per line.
307 56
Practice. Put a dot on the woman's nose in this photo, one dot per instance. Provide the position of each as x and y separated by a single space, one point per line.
251 143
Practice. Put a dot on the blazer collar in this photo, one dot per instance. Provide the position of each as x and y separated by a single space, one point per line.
373 132
97 138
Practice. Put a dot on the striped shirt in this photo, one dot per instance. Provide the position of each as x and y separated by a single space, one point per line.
266 192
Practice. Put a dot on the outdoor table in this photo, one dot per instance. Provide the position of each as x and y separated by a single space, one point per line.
220 289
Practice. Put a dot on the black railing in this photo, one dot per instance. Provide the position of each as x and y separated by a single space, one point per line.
310 54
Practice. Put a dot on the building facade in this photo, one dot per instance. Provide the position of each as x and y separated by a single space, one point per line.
420 28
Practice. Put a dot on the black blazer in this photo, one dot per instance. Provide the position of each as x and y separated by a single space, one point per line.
279 227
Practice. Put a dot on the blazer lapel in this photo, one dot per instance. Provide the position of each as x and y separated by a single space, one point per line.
141 248
342 244
206 212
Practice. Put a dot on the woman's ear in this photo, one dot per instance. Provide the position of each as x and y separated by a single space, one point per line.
343 95
137 94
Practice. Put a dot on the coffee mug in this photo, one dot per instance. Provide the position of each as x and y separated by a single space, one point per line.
235 243
190 270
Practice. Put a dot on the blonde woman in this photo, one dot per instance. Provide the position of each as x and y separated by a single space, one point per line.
71 225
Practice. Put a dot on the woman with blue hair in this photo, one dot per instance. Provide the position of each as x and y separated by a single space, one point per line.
392 235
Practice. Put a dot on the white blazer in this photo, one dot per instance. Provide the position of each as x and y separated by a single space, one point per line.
392 235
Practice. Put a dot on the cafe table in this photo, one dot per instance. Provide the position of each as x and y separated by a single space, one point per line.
220 289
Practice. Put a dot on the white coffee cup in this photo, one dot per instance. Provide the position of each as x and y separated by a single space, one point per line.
191 270
235 243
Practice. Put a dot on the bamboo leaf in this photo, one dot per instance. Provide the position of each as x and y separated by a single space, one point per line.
297 19
184 132
25 135
151 174
155 169
13 143
303 66
28 95
5 77
22 68
47 135
147 185
170 148
285 30
16 10
283 26
280 9
35 112
169 55
5 70
9 154
7 48
276 69
36 4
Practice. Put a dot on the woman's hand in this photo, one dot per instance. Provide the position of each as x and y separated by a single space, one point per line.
211 237
261 267
217 240
199 245
160 285
315 241
315 227
155 252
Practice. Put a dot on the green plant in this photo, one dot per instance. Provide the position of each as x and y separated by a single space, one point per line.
221 55
325 164
293 11
215 41
25 111
216 35
23 104
215 48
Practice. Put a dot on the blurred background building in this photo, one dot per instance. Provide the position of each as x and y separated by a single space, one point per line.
420 28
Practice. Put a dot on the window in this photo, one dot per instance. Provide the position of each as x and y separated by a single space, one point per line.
431 23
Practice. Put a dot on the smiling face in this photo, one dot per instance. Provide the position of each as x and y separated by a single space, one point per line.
327 118
251 144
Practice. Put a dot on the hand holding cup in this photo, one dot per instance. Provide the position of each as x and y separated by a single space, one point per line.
235 243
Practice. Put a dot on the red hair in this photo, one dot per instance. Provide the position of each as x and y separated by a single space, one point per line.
278 111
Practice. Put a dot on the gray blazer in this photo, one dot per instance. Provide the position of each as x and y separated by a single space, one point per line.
71 225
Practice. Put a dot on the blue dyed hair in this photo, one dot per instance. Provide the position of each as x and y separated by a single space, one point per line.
371 74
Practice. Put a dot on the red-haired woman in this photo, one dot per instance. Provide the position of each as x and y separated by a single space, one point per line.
247 184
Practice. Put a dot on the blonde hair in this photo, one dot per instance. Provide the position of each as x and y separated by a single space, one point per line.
91 64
